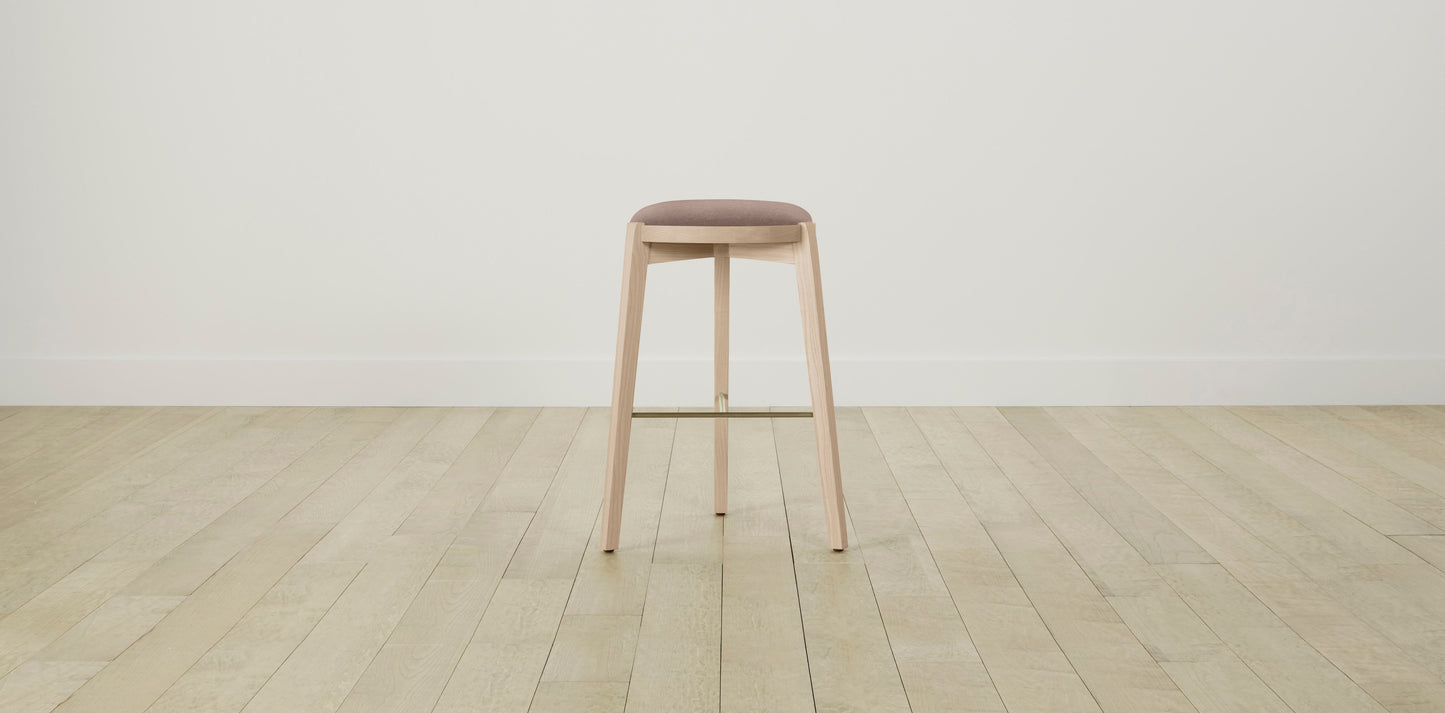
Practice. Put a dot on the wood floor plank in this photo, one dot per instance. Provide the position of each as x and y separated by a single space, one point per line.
381 513
479 548
593 647
320 673
185 567
1349 496
135 679
110 629
1259 566
561 446
1220 535
524 481
1430 548
61 435
677 665
1119 672
291 538
579 697
182 518
897 556
1299 675
851 664
688 530
1226 686
1423 502
44 423
1349 527
1420 419
1373 661
1369 625
1160 620
1435 415
797 451
460 490
83 454
229 674
1153 536
567 513
608 594
1316 550
88 450
1363 438
340 494
39 686
153 431
82 588
849 657
755 503
1019 655
1017 559
40 621
411 670
1043 500
69 531
206 432
503 661
616 582
764 657
1421 446
24 420
1169 629
936 658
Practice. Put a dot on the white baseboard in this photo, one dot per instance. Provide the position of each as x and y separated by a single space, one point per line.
755 382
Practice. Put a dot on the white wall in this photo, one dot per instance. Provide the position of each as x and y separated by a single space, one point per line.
1034 202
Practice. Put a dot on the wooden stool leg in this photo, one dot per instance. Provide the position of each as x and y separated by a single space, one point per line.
624 382
820 381
721 268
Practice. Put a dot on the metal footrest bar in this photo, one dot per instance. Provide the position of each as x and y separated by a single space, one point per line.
722 414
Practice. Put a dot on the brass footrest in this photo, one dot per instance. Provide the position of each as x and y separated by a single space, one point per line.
722 414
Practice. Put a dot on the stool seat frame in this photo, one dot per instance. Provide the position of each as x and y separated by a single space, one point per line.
792 244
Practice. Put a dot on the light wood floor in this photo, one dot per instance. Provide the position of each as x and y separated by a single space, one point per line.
1019 559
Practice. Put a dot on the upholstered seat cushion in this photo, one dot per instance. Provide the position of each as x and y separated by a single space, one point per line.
722 212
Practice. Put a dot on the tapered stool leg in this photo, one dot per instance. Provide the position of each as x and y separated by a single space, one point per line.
820 381
721 269
624 382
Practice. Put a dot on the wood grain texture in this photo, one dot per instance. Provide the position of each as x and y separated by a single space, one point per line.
764 657
1120 673
722 271
624 383
1014 559
820 383
677 665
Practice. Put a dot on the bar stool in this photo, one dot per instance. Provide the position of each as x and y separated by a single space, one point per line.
722 230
